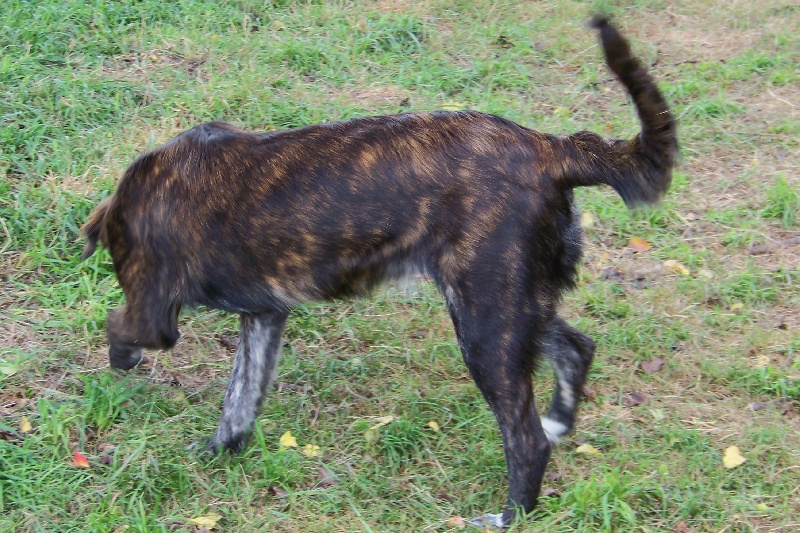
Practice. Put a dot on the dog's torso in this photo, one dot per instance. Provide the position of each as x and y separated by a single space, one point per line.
331 210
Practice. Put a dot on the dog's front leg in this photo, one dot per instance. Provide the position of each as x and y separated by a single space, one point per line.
253 371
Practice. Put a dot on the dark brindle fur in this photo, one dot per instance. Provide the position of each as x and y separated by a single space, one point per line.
256 223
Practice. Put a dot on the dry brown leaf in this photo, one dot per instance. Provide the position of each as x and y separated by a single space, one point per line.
457 521
277 491
653 366
326 477
611 273
8 436
633 399
589 392
552 476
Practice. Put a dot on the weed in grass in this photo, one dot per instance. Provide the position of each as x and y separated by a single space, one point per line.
396 35
713 108
58 423
767 381
783 203
106 400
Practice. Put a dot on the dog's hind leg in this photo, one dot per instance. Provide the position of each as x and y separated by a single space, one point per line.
570 353
499 348
253 370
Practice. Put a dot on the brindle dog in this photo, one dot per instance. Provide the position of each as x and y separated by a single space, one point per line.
257 223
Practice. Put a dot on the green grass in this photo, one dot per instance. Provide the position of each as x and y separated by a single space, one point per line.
86 86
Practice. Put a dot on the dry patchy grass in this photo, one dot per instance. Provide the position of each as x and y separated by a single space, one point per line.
728 333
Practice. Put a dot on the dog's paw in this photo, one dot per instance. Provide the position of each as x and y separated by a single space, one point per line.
488 520
124 358
223 442
554 429
214 446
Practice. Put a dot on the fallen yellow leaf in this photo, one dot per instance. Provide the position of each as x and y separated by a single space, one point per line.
382 421
732 457
312 450
588 449
587 220
737 307
705 273
371 436
288 441
640 245
434 426
762 507
208 521
25 425
453 106
675 266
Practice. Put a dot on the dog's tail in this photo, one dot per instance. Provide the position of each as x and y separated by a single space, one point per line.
95 228
640 169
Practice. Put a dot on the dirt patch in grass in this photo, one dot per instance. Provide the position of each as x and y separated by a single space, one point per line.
685 39
379 96
135 66
402 6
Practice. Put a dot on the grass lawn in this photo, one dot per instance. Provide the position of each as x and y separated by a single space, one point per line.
693 357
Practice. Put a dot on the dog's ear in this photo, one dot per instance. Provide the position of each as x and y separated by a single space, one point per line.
95 228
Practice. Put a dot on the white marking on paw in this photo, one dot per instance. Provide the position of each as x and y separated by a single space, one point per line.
553 429
488 520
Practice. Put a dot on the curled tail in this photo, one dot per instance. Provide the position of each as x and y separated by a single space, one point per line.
95 228
640 169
